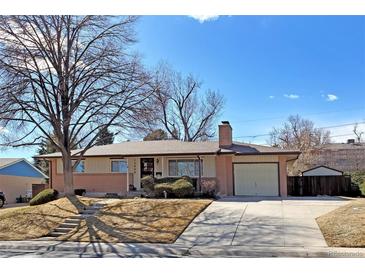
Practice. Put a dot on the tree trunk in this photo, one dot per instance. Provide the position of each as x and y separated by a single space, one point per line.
68 175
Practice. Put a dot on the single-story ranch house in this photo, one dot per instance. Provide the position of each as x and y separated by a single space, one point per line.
238 168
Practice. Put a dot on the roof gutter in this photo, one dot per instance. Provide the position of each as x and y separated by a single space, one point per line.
130 155
271 153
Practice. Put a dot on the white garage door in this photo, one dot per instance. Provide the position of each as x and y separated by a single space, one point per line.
256 179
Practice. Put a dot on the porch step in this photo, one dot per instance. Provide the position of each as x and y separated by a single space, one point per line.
89 211
94 208
68 225
76 217
63 229
70 221
74 221
56 234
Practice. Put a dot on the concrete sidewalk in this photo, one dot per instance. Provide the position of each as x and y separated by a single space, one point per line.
51 248
54 249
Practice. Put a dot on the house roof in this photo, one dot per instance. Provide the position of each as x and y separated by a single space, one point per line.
322 166
173 147
339 146
9 163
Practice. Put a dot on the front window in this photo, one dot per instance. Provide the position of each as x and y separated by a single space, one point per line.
185 168
80 167
119 166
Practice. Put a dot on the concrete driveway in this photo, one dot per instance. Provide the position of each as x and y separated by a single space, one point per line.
260 222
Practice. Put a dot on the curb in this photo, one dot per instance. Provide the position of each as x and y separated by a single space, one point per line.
173 250
136 249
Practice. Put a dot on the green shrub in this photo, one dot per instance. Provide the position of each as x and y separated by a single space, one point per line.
358 177
362 189
44 196
182 188
187 178
166 180
176 187
160 188
148 183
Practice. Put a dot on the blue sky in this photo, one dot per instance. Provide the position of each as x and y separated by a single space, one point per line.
267 67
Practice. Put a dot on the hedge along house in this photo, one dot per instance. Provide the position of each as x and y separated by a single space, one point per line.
18 177
238 168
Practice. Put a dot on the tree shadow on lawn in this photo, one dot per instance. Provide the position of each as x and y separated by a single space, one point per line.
144 222
37 221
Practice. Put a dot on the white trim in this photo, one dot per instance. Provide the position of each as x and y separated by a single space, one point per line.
184 159
117 172
162 166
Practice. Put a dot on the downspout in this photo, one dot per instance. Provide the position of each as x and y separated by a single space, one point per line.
50 173
200 174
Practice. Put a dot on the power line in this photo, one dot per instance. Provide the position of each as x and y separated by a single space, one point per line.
308 114
333 126
343 125
341 135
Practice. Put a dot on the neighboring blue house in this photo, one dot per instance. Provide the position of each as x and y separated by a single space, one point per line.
18 177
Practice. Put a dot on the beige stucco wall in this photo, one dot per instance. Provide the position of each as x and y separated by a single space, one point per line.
14 186
92 165
98 165
283 175
224 174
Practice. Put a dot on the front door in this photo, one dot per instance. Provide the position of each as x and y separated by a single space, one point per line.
147 167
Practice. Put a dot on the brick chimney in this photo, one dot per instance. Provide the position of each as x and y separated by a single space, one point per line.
225 134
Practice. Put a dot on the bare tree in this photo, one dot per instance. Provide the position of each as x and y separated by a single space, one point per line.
358 133
298 133
180 108
65 78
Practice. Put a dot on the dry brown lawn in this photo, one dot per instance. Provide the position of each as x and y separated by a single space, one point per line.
139 220
345 226
30 222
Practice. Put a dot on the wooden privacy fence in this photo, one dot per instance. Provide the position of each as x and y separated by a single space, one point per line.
319 185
